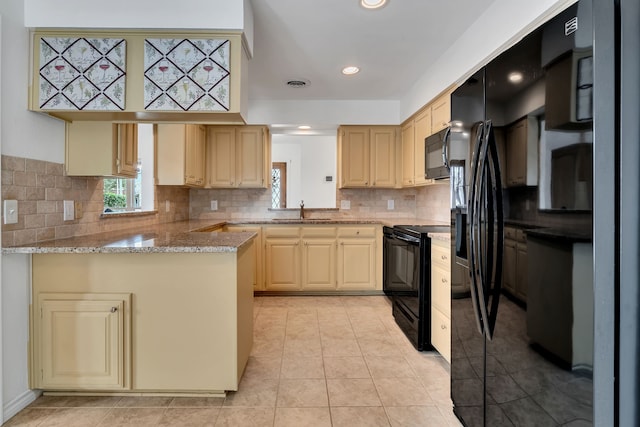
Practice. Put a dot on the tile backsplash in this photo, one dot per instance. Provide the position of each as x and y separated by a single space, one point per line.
40 188
430 202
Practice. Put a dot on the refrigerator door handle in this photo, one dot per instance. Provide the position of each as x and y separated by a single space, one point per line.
490 223
473 207
445 147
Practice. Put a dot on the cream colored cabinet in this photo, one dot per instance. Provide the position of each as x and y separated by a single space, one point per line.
258 279
319 258
180 154
515 263
322 258
81 341
282 258
101 149
357 258
441 297
413 134
238 157
106 75
367 156
441 112
521 150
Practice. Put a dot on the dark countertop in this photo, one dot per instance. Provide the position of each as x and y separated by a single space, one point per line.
571 236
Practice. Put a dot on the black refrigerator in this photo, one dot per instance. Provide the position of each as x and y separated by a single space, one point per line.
500 375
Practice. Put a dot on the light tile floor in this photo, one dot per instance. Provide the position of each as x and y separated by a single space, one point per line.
316 361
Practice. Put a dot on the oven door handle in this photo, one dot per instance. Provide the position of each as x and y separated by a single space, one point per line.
407 239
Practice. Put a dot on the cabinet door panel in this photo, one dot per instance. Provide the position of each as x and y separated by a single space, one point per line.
249 157
319 264
356 264
521 274
127 158
355 157
422 130
441 289
441 333
408 155
282 257
82 344
221 164
383 158
510 266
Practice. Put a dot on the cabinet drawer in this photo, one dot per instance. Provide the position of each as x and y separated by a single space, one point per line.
441 289
441 333
357 232
521 236
441 255
282 232
510 233
319 232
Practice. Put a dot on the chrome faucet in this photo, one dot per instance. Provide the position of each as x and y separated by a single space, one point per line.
301 209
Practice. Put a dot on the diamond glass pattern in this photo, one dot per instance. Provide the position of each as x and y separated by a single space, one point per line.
186 74
275 188
82 73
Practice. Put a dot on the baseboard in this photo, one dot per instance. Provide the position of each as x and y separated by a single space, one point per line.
19 403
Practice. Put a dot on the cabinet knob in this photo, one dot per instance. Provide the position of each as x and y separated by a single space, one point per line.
444 257
444 280
114 309
443 326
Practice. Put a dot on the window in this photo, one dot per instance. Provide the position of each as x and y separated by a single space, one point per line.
279 185
133 194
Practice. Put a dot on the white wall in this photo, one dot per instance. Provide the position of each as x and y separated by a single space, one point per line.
24 133
309 158
503 24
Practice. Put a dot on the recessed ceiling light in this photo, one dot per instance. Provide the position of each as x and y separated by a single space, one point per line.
304 127
372 4
350 70
515 77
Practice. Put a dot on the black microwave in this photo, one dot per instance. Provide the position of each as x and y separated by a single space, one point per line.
436 165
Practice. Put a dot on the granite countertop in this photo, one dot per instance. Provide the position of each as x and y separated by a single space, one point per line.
171 237
445 237
183 236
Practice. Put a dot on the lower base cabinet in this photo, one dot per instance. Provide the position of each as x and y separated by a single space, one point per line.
515 263
84 340
441 297
141 322
322 258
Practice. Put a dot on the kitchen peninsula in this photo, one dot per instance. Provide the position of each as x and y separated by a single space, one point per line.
160 309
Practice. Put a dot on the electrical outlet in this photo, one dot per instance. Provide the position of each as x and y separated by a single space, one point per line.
391 204
167 205
345 204
214 205
10 211
69 210
78 208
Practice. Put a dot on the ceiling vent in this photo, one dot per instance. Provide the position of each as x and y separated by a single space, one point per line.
298 83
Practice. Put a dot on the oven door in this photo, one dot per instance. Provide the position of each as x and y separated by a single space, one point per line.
401 266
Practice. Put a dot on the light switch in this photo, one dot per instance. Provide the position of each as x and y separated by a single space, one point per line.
167 205
345 204
391 204
214 205
10 211
69 210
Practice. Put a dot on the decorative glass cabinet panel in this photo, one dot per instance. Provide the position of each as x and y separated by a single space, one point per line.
78 73
186 74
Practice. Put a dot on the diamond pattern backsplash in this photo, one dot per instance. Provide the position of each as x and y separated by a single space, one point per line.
82 73
186 74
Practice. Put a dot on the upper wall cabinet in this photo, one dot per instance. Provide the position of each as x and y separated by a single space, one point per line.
193 77
367 156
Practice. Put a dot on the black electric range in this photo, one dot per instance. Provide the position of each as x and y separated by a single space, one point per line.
407 278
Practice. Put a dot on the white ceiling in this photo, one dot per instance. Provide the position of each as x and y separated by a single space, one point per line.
314 39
